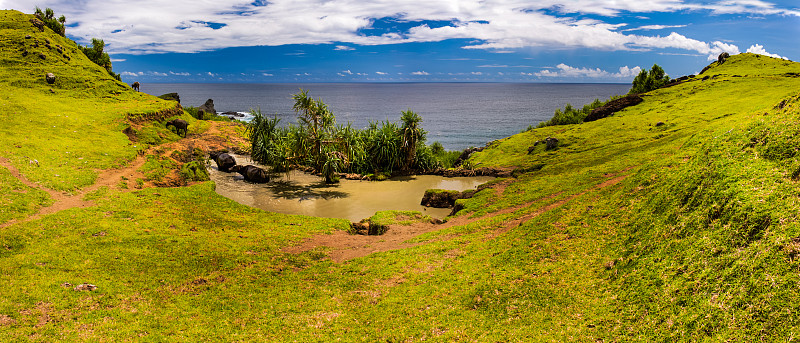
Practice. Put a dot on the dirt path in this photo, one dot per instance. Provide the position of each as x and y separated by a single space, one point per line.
345 246
218 136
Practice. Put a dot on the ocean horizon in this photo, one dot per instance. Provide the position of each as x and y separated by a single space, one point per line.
457 114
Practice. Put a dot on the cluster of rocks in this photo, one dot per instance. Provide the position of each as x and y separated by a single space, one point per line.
35 44
227 163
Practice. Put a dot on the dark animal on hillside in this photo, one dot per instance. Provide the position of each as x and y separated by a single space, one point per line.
135 86
180 125
224 161
252 173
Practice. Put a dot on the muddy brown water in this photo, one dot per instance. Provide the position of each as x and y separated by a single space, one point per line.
301 193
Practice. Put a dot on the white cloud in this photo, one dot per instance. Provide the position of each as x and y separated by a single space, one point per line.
654 27
127 73
420 73
267 74
564 71
381 73
118 60
179 74
476 73
211 74
759 49
348 72
154 26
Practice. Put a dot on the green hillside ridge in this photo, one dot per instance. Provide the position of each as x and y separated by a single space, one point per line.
627 231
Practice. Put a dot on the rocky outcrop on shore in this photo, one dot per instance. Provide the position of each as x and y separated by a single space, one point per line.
207 107
157 115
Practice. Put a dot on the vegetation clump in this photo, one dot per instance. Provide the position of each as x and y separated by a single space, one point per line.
645 82
317 142
48 17
96 54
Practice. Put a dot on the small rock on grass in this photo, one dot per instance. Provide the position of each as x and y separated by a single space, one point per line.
85 287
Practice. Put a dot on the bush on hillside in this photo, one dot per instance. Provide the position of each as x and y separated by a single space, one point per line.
96 54
48 17
645 82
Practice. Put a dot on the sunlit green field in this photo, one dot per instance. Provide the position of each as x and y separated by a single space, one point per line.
627 231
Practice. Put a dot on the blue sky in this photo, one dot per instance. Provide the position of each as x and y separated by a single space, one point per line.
423 41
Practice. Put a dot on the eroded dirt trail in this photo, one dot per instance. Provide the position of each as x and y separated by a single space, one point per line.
344 246
218 136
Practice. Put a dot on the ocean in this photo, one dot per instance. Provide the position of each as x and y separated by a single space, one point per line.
458 115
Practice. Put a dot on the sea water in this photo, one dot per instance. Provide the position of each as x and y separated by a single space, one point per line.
458 115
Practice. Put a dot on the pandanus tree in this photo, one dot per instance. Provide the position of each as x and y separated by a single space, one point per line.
319 124
412 136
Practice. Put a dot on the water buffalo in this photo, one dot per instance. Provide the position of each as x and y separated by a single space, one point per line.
252 173
135 86
180 125
224 161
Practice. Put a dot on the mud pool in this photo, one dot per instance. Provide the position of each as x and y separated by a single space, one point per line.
300 193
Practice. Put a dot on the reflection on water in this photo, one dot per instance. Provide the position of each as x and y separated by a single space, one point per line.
300 193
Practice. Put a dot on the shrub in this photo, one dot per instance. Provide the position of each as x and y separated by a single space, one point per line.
96 54
571 115
48 17
645 82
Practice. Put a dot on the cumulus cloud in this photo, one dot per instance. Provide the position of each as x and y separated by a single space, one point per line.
179 74
186 26
759 49
564 71
348 72
420 73
267 74
381 73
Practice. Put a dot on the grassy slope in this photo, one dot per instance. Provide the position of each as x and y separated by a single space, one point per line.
698 241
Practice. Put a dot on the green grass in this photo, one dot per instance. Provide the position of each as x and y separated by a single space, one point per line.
19 200
73 130
631 232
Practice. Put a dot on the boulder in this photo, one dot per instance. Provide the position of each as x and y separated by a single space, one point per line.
612 107
723 57
441 198
50 78
208 107
551 142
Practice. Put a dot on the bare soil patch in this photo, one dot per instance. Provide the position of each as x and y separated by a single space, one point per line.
345 246
220 135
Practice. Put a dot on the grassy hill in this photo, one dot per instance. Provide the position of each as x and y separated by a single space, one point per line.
627 231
